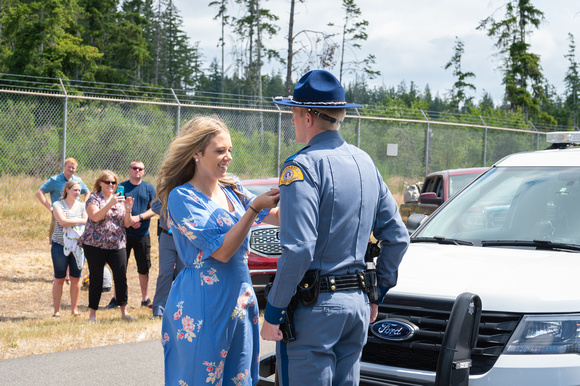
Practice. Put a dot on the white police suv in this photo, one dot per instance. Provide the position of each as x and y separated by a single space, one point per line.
489 290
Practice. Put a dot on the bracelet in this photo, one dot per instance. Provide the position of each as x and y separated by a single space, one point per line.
254 210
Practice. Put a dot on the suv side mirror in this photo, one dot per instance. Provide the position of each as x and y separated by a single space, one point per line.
414 221
431 198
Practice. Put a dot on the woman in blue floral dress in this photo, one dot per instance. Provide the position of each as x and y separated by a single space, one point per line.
210 328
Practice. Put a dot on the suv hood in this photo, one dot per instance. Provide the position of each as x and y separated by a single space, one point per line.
506 279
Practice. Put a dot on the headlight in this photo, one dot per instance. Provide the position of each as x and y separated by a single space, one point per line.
549 334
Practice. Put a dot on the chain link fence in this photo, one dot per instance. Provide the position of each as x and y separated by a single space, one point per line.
44 121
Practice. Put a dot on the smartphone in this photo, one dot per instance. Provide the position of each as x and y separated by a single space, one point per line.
121 189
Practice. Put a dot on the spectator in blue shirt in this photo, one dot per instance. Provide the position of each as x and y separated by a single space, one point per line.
138 237
55 187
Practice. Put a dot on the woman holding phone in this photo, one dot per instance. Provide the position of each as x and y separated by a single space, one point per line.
104 240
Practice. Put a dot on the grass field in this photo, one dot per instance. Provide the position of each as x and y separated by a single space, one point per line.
26 323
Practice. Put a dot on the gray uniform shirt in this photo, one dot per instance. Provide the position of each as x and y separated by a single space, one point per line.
331 198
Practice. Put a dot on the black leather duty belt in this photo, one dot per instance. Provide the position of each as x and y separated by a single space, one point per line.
332 283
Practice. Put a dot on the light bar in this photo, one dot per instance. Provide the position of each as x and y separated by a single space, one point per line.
563 137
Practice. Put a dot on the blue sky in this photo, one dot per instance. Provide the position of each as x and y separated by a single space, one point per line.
412 40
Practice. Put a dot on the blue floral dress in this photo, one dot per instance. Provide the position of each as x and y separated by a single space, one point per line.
210 330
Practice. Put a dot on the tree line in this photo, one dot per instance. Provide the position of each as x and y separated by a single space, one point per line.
143 42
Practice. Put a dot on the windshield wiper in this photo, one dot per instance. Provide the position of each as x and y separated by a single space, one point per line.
440 240
539 244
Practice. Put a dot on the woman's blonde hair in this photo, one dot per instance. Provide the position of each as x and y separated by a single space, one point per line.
179 166
102 175
69 184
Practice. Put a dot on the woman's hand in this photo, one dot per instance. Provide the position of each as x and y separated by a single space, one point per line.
128 207
266 200
116 198
128 204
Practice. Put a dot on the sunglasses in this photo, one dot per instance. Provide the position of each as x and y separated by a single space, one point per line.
136 168
109 182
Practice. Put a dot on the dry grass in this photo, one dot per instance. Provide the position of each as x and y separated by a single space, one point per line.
26 323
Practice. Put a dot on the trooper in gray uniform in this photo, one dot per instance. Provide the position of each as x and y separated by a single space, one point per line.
332 197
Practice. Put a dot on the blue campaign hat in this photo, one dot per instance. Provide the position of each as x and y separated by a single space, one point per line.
317 89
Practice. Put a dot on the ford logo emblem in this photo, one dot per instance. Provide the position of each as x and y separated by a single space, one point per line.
394 329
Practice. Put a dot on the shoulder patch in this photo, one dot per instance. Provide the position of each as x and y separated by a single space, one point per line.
290 174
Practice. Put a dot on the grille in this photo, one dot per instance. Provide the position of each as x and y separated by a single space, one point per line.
265 241
422 351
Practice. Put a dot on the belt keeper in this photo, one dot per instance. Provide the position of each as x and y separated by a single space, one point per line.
361 277
332 283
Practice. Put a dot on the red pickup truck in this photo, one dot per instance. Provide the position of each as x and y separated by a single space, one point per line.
437 188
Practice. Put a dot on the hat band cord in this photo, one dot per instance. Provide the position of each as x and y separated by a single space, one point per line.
299 102
323 116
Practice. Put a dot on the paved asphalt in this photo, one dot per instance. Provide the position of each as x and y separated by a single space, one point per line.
138 363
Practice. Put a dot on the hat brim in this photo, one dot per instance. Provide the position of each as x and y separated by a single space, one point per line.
291 103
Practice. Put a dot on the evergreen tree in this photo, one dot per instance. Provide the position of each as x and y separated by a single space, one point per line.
250 28
522 73
458 93
180 64
41 38
150 28
225 20
572 82
353 31
486 103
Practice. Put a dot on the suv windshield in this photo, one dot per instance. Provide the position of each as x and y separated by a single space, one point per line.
457 182
513 204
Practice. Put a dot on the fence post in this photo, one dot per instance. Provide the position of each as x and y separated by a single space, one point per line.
178 120
427 143
537 136
279 140
64 119
357 128
484 142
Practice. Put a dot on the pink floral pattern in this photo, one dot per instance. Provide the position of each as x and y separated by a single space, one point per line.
246 255
209 279
186 228
240 378
189 326
246 300
199 226
198 263
164 339
215 373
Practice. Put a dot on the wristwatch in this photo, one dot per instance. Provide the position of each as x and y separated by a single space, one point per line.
141 216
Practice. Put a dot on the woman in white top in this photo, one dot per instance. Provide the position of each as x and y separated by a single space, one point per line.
68 212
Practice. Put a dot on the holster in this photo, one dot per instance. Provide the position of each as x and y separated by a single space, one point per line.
371 282
309 288
370 275
287 326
